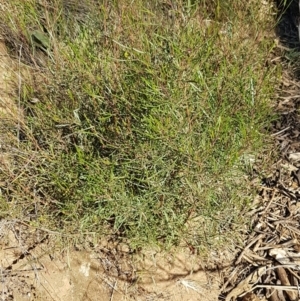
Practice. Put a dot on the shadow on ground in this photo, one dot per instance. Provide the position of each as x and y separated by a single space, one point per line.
287 26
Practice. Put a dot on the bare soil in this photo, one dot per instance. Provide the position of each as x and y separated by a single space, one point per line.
32 268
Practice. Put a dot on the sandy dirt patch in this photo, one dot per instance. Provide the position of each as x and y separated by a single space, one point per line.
32 268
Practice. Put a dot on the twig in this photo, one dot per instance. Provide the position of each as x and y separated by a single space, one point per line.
247 247
278 287
280 132
113 290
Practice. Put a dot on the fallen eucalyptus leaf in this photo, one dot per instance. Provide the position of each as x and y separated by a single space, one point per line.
246 285
294 157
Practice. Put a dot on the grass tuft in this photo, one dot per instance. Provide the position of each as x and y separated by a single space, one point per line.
138 115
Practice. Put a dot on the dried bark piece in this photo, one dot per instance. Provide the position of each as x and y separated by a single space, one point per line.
282 275
295 157
285 257
246 285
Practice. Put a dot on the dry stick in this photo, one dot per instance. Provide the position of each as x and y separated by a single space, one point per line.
257 245
278 287
113 290
269 204
287 244
293 273
247 247
291 228
110 285
280 132
230 278
282 275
